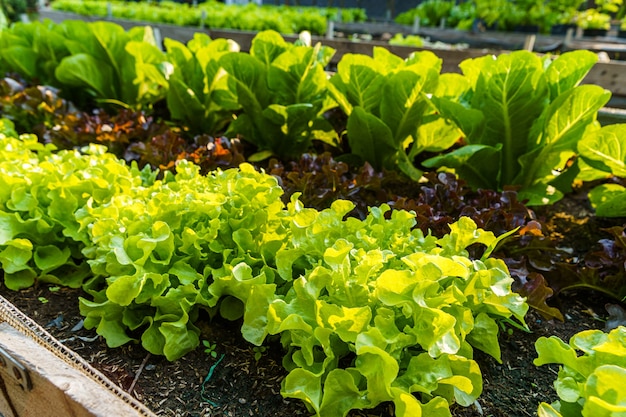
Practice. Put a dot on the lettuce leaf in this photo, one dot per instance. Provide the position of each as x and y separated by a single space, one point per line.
592 374
534 116
44 193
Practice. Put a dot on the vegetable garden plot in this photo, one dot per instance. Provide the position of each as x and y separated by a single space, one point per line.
229 243
369 310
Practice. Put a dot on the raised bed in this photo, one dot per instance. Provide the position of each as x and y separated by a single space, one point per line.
502 395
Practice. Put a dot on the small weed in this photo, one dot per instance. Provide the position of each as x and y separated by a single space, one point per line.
507 325
210 348
258 352
42 300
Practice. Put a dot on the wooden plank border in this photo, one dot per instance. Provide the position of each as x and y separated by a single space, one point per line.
55 389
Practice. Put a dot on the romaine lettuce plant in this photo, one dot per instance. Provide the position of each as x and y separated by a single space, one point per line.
282 90
534 115
100 58
592 377
114 64
604 150
33 50
199 94
390 117
608 200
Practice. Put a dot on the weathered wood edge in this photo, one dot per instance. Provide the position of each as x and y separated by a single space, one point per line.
58 389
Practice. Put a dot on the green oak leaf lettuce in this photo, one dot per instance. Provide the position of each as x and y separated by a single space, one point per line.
592 373
42 193
183 242
397 307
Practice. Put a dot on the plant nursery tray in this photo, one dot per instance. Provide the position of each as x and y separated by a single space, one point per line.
41 377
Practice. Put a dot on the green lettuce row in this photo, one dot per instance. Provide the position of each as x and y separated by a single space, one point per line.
589 384
286 20
40 237
369 310
401 307
523 118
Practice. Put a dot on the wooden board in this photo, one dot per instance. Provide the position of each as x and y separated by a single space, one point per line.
611 116
610 75
56 388
484 39
475 39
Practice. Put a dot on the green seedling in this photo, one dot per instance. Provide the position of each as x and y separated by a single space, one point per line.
210 348
258 352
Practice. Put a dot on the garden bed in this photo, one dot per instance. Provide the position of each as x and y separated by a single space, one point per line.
252 281
242 380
